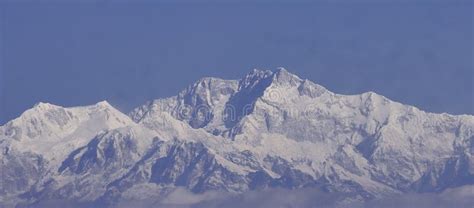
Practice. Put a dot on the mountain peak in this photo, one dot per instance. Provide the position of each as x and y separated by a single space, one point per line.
259 73
281 70
283 132
282 76
256 71
203 82
207 91
103 103
210 82
40 108
43 105
279 76
254 77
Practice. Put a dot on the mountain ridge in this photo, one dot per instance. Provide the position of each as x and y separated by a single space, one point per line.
269 129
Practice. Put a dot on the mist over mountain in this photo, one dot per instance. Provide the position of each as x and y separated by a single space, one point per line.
238 143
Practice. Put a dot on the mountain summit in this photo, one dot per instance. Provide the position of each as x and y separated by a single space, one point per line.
266 130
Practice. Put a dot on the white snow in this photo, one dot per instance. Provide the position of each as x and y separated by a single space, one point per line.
321 133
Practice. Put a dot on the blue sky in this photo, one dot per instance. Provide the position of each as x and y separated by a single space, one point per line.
80 53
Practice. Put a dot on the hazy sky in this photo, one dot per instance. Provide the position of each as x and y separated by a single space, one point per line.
80 53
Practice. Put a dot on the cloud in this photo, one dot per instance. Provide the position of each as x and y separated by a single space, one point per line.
306 198
182 196
456 197
269 198
283 198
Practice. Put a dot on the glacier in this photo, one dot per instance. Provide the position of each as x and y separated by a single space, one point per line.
270 130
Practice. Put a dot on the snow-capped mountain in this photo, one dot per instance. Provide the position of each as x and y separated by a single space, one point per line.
269 129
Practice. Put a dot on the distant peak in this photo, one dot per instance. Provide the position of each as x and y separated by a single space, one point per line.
207 81
282 75
103 103
43 106
208 86
254 77
259 73
281 70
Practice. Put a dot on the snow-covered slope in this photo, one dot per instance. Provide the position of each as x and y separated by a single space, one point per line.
368 135
54 131
34 144
269 129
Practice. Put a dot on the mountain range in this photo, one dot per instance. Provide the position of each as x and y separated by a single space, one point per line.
268 130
